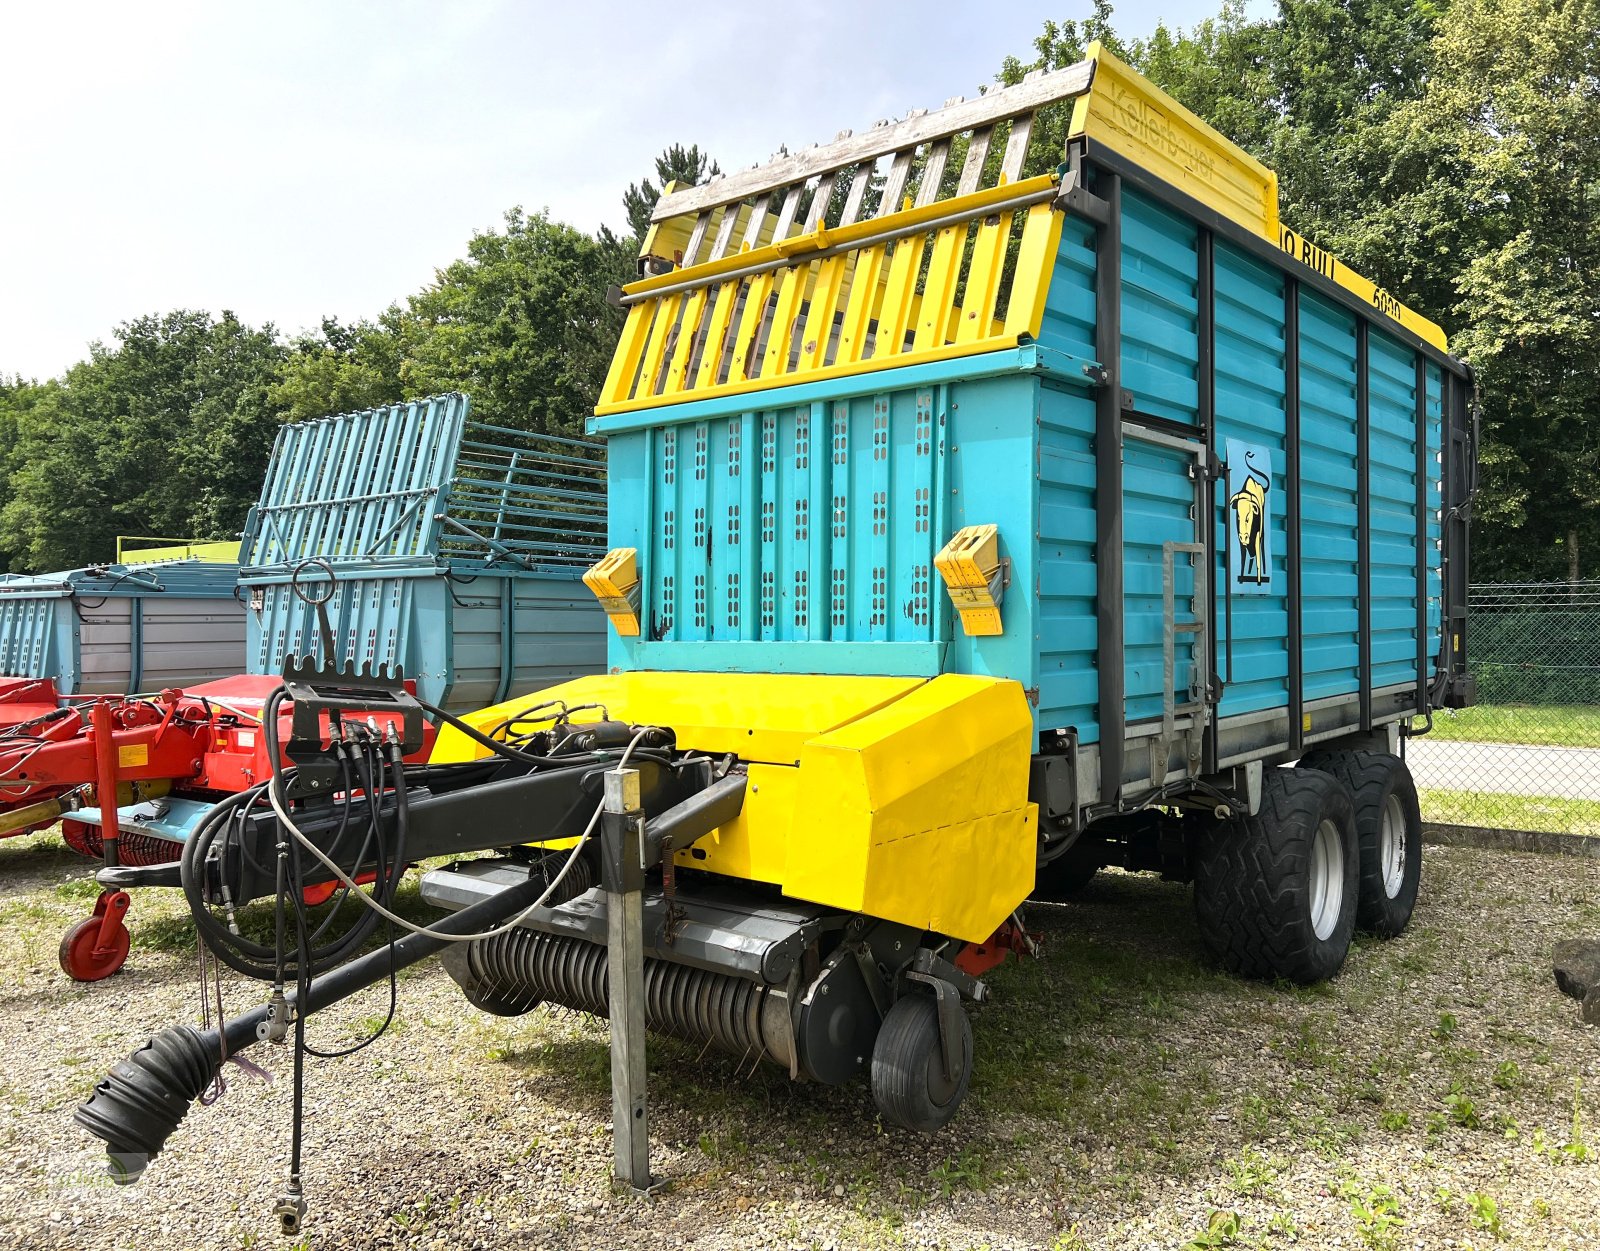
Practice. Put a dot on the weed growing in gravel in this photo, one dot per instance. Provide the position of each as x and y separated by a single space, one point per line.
1252 1173
1462 1111
1222 1230
1486 1214
1395 1121
1446 1028
1376 1211
1507 1075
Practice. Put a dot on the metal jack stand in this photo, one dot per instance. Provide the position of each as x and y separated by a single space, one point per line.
622 879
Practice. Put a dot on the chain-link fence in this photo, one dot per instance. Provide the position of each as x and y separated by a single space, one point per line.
1527 756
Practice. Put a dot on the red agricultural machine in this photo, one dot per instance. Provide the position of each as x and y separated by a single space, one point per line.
403 540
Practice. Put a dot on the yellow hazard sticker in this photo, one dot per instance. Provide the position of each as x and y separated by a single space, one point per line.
133 755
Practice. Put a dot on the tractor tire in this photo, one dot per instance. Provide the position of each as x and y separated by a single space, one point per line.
1275 894
1066 876
1389 827
908 1079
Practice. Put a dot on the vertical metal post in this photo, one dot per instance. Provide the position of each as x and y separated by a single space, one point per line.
1364 521
1421 431
105 777
1207 529
1291 511
622 879
1108 493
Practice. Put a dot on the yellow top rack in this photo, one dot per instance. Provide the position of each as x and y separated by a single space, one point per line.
872 251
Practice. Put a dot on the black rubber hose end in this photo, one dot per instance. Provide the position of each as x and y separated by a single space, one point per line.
145 1097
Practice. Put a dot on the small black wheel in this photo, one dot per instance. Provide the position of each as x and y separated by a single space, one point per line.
908 1078
1275 894
1067 875
1389 827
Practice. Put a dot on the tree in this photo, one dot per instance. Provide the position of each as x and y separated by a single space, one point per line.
345 369
1509 115
686 165
164 431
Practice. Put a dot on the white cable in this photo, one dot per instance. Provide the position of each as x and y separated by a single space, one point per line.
513 923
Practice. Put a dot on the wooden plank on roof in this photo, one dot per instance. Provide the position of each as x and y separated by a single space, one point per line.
1005 102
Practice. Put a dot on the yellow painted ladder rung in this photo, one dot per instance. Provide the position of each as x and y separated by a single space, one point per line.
625 361
677 373
1041 237
983 280
898 299
939 289
755 309
865 287
656 350
819 320
717 333
781 333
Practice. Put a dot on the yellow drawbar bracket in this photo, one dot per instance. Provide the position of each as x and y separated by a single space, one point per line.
976 577
615 583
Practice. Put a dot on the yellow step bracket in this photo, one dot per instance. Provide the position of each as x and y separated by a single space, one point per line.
615 583
975 575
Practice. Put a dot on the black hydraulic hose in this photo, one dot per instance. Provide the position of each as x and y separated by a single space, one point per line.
146 1096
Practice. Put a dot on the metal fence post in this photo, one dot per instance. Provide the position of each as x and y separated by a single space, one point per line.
622 879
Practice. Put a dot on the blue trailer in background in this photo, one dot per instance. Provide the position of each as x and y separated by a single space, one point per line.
445 548
120 629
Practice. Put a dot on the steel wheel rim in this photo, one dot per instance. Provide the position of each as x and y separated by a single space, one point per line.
1327 879
1392 846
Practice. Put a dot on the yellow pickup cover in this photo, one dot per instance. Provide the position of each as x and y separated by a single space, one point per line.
615 583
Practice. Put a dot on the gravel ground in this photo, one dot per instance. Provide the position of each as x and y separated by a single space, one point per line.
1439 1093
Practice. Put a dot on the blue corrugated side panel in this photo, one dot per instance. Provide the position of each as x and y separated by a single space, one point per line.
1069 315
1157 497
994 432
1160 309
1392 475
1250 407
764 533
363 486
32 637
815 524
1330 573
1435 464
1068 632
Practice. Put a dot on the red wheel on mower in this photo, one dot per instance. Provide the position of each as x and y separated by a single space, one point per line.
84 960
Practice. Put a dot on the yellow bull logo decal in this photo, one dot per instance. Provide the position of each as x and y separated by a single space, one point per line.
1250 481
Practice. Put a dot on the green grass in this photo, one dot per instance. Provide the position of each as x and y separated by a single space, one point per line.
1559 725
1511 812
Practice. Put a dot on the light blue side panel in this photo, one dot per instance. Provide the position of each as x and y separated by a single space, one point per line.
35 636
792 524
1435 463
556 631
1158 496
994 428
1249 366
1160 310
1392 472
1069 315
1329 569
1068 632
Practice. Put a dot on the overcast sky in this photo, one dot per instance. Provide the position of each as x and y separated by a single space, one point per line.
289 160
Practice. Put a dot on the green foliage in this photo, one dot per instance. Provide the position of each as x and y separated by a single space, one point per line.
1485 1213
166 430
686 165
521 323
1222 1230
1446 151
